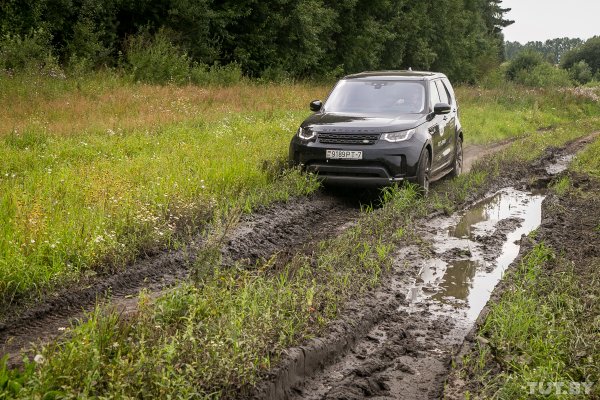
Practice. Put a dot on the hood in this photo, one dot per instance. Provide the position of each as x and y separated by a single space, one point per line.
333 122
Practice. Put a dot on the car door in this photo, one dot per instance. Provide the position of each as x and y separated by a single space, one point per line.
449 133
437 130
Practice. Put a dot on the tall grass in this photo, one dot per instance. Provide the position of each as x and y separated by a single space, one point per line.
534 331
77 200
98 170
491 115
588 161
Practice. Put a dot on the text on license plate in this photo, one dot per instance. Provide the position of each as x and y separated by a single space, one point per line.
344 155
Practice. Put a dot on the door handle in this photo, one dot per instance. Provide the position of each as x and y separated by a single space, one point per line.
445 118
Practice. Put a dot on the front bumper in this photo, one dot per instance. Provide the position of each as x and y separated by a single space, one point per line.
383 163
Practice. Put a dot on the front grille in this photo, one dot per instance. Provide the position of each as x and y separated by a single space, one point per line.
348 138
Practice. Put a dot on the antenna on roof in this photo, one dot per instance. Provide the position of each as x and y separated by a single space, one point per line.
410 68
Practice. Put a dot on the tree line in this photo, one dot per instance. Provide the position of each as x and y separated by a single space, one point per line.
556 62
552 50
264 38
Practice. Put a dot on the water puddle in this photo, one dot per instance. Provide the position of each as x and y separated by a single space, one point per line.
560 165
474 249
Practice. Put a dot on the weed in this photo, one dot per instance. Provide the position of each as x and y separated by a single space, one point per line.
562 185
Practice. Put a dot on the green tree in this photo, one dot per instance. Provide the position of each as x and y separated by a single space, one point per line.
588 52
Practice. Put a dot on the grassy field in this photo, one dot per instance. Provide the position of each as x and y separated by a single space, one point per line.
94 173
98 171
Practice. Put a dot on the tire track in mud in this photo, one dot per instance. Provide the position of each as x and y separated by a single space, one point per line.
395 343
281 229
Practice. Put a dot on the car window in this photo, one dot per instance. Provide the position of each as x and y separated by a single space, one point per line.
449 91
442 91
377 97
434 96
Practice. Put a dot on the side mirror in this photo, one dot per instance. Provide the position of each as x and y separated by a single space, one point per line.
442 108
316 105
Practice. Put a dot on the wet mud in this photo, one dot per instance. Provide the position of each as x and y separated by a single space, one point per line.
569 226
395 342
428 304
432 299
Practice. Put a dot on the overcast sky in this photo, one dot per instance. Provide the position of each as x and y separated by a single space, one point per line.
549 19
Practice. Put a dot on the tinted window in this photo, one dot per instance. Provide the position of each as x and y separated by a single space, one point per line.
442 91
377 97
434 95
449 91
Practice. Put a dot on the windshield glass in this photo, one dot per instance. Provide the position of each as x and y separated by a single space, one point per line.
377 97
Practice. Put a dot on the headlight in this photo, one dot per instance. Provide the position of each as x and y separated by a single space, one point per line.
398 136
306 134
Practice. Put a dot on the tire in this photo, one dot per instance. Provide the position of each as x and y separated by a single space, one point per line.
423 170
458 159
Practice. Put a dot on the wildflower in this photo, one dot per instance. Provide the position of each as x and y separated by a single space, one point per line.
39 359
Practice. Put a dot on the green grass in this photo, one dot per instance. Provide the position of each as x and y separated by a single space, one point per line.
588 161
86 202
492 115
99 170
81 202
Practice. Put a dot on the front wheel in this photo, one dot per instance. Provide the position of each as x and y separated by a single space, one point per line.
423 170
458 159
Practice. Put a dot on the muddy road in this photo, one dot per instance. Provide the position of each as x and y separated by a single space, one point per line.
399 341
282 230
394 343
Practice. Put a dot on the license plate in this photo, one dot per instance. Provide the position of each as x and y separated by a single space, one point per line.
343 155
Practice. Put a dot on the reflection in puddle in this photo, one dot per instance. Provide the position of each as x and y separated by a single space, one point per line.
560 165
471 276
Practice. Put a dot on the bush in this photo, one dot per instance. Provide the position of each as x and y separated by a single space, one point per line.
581 72
86 49
544 75
588 52
494 79
217 75
525 61
155 59
30 53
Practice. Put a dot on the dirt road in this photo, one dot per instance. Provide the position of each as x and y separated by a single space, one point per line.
398 339
399 342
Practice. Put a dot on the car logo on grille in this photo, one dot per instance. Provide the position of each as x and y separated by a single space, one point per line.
366 141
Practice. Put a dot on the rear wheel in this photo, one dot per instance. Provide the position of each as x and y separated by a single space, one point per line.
423 171
458 159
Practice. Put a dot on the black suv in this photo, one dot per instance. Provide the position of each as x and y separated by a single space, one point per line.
380 128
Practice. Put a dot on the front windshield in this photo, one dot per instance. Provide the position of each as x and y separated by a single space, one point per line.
377 97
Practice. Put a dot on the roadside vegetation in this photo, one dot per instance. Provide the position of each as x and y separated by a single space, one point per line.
539 339
542 333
